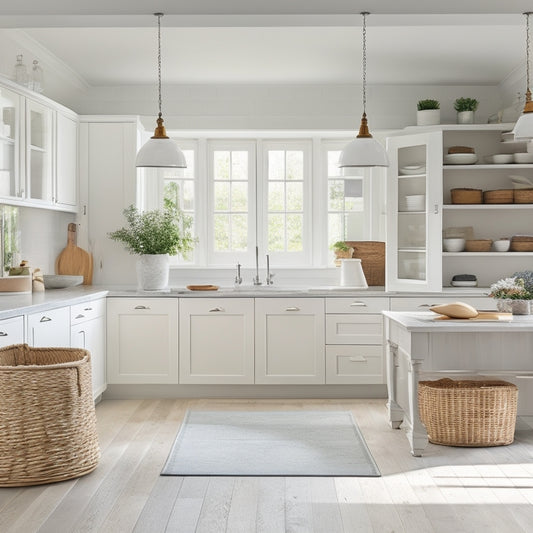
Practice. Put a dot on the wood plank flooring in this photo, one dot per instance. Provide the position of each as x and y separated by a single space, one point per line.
468 490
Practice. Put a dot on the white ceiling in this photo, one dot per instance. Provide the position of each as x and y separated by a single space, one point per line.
279 41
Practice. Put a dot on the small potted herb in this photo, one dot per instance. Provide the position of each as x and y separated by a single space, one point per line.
342 251
465 108
428 112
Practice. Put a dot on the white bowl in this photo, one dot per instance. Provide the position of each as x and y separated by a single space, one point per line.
413 170
460 159
59 281
453 245
523 157
502 245
502 159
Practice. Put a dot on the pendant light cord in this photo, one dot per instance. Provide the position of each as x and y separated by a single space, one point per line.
364 13
527 50
159 15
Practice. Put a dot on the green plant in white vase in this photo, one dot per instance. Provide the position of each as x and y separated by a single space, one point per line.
154 236
428 112
465 107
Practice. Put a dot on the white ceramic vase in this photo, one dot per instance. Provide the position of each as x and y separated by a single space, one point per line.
428 117
517 307
465 117
152 272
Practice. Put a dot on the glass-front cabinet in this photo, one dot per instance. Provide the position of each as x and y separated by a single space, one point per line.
39 152
9 144
414 198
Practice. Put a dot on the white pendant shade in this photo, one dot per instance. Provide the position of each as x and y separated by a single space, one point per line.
523 129
160 153
363 152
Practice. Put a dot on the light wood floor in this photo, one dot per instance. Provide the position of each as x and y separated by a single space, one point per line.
448 490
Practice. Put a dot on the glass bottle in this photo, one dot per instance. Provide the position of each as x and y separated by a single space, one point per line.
37 79
21 73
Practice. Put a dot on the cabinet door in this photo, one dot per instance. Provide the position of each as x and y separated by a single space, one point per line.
414 220
289 340
50 328
10 118
66 182
216 340
142 340
11 331
38 152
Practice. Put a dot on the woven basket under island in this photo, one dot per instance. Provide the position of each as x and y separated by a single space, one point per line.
47 415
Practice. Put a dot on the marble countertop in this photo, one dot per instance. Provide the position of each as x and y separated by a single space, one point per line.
425 321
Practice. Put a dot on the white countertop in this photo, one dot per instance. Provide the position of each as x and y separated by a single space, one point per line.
424 321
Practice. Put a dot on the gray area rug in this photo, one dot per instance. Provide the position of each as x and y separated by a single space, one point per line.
269 443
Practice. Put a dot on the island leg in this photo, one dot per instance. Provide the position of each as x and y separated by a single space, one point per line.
416 432
396 413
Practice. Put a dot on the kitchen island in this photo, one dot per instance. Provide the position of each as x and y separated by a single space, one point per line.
421 347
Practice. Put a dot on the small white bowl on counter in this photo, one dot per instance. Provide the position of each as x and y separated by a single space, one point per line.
61 281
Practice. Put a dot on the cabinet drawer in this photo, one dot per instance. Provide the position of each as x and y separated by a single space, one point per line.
423 304
354 329
354 364
356 305
11 331
87 311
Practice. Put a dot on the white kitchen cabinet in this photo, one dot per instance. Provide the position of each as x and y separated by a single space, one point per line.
414 235
11 331
66 158
10 108
409 231
216 340
49 328
354 340
88 331
398 303
142 340
289 341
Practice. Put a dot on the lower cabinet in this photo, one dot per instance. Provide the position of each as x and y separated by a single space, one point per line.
142 340
424 303
11 331
49 328
354 340
88 331
289 341
216 340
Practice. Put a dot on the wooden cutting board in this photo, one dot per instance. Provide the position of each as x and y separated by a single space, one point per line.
482 316
73 260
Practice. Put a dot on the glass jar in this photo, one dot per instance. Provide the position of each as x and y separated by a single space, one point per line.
20 72
37 78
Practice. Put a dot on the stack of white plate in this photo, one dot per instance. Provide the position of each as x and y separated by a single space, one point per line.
460 159
415 202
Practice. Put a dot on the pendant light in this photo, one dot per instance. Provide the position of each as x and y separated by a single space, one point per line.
364 151
160 150
524 127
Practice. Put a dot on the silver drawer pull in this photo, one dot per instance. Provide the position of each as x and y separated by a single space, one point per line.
141 307
88 309
358 359
3 334
216 310
358 304
45 319
428 305
292 309
79 316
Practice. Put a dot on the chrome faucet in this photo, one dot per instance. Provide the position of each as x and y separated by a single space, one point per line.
256 279
238 279
269 275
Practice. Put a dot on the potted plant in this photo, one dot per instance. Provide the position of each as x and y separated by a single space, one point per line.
428 112
512 296
465 108
342 251
154 236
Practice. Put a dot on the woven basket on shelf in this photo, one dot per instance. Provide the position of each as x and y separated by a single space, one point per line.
47 416
523 196
372 255
478 245
466 196
500 196
521 246
468 413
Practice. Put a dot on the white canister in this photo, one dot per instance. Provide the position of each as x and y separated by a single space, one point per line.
352 274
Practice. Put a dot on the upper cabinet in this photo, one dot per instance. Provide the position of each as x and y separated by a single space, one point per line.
420 165
39 151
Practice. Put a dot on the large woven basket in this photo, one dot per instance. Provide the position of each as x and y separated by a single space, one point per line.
468 413
466 196
47 416
372 255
